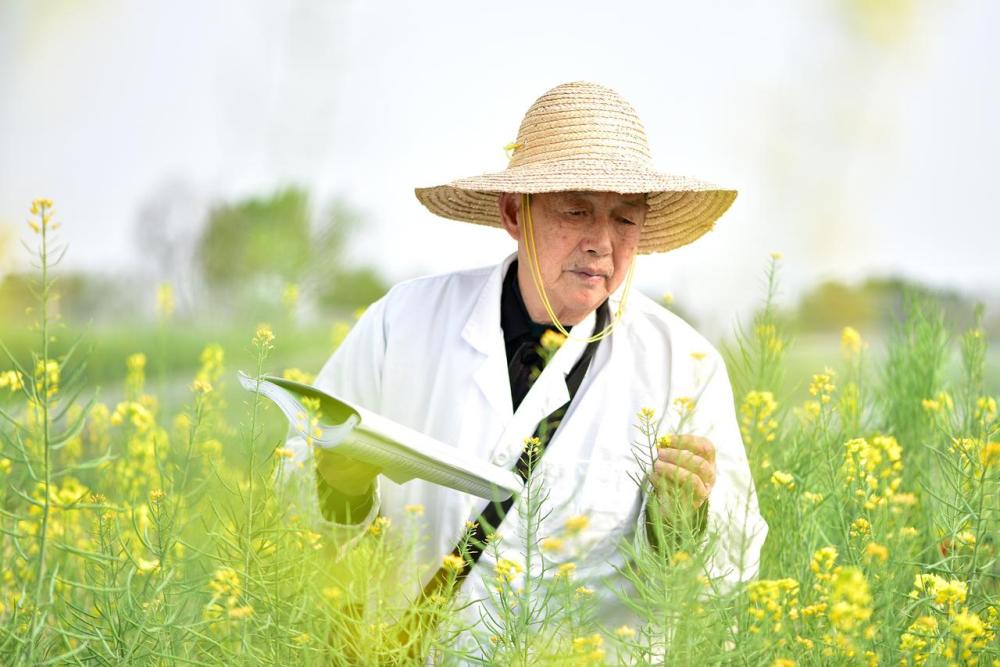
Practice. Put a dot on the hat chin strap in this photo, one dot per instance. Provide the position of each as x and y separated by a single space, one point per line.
536 276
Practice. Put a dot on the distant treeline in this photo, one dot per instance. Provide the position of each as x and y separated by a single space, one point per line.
878 301
250 258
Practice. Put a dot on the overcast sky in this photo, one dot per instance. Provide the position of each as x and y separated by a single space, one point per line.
860 144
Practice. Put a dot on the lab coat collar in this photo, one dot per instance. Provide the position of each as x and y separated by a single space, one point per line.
483 332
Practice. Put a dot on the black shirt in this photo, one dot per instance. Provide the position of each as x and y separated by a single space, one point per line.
522 337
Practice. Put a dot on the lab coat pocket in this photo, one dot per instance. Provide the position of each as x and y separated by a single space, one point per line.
609 500
610 487
560 483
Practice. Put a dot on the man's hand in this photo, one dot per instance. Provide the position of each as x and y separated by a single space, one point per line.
684 468
344 474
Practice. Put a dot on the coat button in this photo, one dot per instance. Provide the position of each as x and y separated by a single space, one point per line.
501 458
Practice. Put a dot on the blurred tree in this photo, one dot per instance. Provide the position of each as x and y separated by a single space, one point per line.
78 297
259 246
6 249
166 233
254 239
832 304
875 303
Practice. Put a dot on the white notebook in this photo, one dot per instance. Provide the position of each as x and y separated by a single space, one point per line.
400 452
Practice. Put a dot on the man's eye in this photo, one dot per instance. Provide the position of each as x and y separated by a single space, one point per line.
576 212
627 221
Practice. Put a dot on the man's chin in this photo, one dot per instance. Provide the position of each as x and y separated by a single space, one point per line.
587 303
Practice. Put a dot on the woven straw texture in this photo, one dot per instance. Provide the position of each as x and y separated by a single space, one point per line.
585 137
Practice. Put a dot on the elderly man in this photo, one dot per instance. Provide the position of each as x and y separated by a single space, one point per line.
456 356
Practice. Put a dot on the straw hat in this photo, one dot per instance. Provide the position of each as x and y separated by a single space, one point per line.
585 137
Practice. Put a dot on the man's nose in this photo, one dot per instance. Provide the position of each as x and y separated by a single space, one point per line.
598 239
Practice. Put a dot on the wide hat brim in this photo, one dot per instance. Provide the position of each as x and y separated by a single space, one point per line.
681 208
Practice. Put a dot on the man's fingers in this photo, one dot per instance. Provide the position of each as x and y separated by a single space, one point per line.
695 444
690 461
680 478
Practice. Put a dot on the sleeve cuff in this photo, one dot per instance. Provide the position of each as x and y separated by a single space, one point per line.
340 530
673 535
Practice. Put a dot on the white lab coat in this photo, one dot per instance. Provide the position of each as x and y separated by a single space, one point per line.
430 355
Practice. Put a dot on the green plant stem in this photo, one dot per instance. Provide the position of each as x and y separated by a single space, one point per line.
44 403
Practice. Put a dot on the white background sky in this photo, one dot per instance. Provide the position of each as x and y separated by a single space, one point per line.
858 147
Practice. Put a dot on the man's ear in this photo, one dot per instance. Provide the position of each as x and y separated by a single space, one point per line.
509 204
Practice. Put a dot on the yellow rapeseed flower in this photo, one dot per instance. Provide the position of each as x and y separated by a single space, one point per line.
822 562
297 375
850 341
147 565
685 404
40 205
860 528
290 296
969 637
919 639
873 468
757 423
782 480
625 632
263 338
577 523
566 570
533 447
589 648
874 551
379 525
850 599
506 570
47 372
822 385
772 600
13 380
989 455
416 509
241 612
986 409
767 334
552 544
201 386
814 498
165 301
453 563
811 409
966 538
946 593
552 341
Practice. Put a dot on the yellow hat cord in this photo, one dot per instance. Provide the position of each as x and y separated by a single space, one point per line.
536 276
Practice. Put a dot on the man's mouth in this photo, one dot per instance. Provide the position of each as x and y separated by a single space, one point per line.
590 275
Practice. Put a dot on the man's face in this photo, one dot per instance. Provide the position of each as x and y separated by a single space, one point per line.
585 242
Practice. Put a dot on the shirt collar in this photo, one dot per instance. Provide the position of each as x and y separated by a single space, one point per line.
514 318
